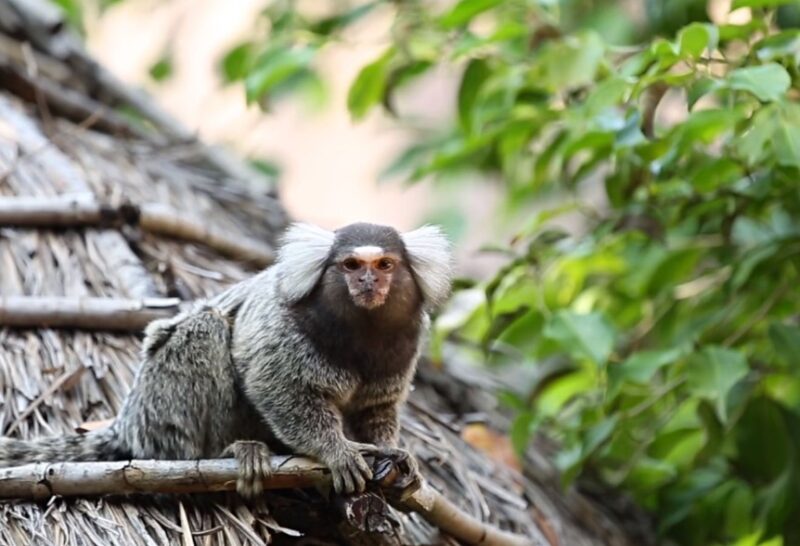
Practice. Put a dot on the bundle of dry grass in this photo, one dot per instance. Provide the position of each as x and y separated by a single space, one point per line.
61 141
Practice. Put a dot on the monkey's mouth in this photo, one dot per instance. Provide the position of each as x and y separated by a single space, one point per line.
369 299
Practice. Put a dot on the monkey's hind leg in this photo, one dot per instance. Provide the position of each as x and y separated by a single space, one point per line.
254 466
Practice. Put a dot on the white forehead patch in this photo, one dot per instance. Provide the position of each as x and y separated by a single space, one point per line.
368 252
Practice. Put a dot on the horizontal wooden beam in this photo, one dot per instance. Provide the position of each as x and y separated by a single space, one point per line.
84 313
82 210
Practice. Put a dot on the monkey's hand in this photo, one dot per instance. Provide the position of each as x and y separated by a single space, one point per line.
386 457
254 466
349 470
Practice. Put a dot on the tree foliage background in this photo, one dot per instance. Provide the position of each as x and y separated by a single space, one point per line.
665 334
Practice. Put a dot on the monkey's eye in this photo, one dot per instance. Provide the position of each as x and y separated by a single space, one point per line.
385 264
351 264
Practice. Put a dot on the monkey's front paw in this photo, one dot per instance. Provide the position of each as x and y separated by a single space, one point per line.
254 466
350 472
395 465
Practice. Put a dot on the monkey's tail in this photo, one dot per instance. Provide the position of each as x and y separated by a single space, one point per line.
97 445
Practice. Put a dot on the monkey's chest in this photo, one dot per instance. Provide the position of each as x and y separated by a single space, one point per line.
375 365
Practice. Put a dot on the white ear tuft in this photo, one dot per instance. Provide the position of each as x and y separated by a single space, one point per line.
301 260
428 251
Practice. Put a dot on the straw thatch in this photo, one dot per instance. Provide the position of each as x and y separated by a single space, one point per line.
62 136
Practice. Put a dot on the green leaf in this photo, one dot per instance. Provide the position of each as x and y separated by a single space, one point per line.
74 12
700 88
768 82
570 62
696 38
475 75
607 94
786 139
268 168
278 70
762 440
650 474
368 88
518 333
562 390
783 44
570 461
463 12
518 288
582 335
712 373
759 3
336 22
522 429
753 143
162 69
786 340
236 62
640 367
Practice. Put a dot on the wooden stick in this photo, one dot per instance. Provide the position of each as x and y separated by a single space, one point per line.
448 517
84 313
83 211
164 220
68 211
42 480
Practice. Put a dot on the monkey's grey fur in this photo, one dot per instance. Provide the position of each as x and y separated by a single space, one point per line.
300 356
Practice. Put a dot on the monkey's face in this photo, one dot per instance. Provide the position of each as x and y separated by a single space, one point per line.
368 272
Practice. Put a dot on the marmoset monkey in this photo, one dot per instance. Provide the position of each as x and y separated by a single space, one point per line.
314 354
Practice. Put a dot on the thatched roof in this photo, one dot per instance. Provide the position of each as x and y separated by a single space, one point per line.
61 135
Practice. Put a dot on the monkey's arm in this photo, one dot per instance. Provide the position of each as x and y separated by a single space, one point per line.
309 424
376 424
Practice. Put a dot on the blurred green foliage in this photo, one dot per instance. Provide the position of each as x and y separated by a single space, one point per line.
667 329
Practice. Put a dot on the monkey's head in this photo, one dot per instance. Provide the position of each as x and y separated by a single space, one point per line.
371 267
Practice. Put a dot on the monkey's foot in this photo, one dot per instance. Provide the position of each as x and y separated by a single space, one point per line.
254 466
395 467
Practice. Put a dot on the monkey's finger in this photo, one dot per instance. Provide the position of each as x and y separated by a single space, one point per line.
243 487
359 482
363 468
347 482
256 481
246 466
264 468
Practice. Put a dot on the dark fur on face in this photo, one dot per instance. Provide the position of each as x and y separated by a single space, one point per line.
369 264
367 258
358 306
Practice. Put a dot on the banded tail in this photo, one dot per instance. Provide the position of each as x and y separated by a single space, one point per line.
97 445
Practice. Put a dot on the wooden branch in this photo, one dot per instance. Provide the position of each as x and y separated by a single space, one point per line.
42 480
448 517
68 211
84 313
652 98
164 220
83 211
